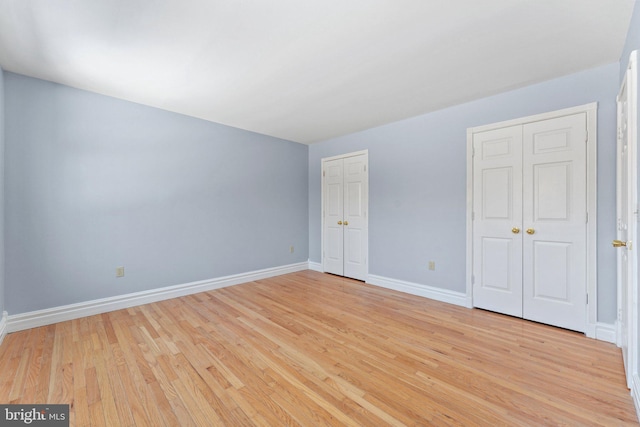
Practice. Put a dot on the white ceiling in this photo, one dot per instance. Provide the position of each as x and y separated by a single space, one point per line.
307 70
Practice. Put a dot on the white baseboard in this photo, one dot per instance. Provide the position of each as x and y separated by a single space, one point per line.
3 326
438 294
316 266
49 316
606 332
635 393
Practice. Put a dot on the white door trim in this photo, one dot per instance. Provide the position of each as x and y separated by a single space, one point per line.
322 190
591 111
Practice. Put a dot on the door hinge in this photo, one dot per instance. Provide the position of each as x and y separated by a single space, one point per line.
586 136
473 151
587 299
473 216
365 168
323 173
587 217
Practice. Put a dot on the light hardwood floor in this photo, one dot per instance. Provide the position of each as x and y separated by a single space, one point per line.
314 349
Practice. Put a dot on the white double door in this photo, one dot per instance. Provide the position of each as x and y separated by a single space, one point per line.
345 222
529 221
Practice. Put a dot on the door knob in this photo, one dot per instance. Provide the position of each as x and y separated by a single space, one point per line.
515 230
339 222
618 243
530 231
346 223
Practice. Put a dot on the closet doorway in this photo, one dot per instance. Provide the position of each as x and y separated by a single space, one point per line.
530 217
345 229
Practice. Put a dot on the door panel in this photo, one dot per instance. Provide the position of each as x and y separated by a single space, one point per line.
496 263
355 229
333 232
497 207
552 270
552 183
554 208
497 193
627 218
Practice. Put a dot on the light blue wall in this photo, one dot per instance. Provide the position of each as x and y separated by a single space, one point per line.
632 41
417 199
93 183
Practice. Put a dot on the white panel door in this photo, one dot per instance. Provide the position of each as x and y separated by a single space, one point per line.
333 217
554 221
627 221
529 221
345 223
355 216
623 198
497 207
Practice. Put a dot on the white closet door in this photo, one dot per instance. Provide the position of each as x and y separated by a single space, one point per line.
355 216
497 207
554 221
345 229
624 213
626 243
333 259
529 221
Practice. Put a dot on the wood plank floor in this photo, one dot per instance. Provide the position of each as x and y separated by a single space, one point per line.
312 349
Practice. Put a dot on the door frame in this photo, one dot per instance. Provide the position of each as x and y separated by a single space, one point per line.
591 327
322 163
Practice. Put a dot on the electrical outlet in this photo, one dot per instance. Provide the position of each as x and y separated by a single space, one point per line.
291 249
432 265
119 271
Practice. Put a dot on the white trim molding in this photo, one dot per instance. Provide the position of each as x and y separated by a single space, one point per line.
49 316
431 292
316 266
635 393
605 332
3 326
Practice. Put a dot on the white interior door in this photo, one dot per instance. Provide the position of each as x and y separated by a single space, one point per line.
626 221
345 222
497 207
529 221
355 217
333 259
554 221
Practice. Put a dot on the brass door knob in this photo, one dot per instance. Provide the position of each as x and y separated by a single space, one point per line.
618 243
515 230
339 222
346 223
530 231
